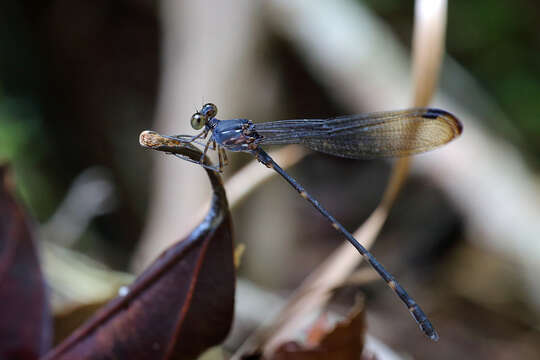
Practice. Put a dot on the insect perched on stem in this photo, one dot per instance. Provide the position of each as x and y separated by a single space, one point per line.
364 136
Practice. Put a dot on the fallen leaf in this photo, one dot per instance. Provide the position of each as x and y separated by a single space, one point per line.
344 342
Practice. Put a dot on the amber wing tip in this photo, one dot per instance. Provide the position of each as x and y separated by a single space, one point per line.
459 125
449 117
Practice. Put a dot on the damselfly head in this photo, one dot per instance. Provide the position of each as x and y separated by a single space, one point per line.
198 120
201 118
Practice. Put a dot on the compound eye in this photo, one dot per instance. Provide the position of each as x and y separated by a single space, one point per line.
197 121
209 110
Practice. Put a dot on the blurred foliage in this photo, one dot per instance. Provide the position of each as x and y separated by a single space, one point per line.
499 44
20 117
78 81
77 84
22 146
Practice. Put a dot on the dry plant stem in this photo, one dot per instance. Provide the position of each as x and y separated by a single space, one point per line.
316 289
361 277
428 48
251 176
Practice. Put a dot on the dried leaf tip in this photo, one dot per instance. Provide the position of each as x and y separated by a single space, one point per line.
148 139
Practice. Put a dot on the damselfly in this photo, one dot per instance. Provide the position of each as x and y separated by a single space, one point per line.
364 136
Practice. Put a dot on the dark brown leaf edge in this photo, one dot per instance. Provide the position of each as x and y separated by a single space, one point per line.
25 321
344 342
180 306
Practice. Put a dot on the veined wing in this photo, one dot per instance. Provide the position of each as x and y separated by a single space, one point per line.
364 136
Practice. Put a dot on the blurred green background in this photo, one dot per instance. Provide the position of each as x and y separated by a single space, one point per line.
498 43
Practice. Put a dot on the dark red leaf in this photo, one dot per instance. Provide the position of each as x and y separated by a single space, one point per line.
344 342
25 321
181 305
